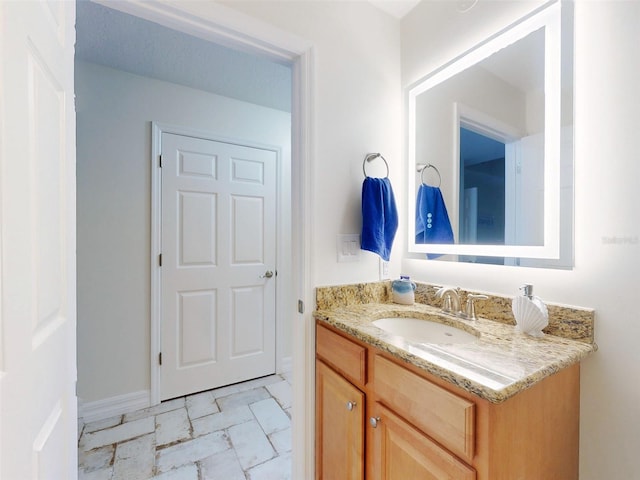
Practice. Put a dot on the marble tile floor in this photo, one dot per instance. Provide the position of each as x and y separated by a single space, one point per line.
238 432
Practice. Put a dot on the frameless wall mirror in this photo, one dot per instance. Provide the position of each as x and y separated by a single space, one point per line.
497 126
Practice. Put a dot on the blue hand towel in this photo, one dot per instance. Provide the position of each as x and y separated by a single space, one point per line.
379 216
432 219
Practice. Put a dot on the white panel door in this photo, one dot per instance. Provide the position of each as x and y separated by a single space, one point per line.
38 414
218 264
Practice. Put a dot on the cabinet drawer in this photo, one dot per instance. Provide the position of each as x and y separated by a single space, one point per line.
342 354
442 415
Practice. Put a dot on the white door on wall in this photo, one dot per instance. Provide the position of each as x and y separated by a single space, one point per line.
218 279
38 419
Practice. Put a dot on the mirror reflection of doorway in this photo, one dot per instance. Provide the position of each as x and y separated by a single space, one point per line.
482 172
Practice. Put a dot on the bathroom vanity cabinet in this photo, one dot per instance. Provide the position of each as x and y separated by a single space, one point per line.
381 418
340 426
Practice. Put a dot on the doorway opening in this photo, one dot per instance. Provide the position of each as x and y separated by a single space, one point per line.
225 26
482 180
487 153
113 185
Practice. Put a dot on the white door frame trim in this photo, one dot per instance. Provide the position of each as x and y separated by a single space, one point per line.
229 27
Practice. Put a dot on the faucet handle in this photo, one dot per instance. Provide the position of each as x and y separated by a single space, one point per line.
477 296
470 311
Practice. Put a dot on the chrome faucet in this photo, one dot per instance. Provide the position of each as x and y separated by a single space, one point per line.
450 299
451 302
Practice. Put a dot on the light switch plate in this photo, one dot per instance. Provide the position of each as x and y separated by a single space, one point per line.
348 247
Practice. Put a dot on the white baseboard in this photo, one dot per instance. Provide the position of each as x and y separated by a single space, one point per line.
286 365
110 407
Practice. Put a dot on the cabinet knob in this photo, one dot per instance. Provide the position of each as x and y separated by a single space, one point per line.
351 405
374 421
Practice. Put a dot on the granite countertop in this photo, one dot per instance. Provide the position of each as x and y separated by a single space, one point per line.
501 363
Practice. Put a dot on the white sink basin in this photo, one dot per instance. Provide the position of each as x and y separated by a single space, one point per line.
424 331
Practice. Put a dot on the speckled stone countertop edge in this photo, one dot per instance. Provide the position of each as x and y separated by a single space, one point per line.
526 360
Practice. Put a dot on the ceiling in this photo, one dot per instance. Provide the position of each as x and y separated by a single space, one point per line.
125 42
114 39
395 8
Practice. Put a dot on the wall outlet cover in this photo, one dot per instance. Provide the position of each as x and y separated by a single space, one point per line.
384 269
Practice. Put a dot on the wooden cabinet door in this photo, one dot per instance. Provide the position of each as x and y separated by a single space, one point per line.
339 427
398 451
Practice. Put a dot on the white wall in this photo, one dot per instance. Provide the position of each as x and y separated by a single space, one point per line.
606 274
357 109
114 111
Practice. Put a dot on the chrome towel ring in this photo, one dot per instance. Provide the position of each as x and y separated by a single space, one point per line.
370 157
422 167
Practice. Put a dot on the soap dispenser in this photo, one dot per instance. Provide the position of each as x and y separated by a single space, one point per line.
530 312
527 291
403 290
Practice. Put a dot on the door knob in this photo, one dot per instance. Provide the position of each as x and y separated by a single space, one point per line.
267 274
351 405
374 421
